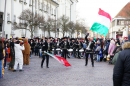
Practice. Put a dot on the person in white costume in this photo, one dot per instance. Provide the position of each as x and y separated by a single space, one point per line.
18 56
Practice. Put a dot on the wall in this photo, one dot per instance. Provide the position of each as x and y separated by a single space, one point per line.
14 7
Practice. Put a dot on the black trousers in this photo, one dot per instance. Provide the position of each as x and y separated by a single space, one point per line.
43 59
89 52
74 52
37 52
64 53
32 49
78 53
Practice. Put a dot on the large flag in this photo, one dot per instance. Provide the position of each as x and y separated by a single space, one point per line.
60 59
102 23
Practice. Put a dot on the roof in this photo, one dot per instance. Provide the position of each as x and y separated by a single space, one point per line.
124 12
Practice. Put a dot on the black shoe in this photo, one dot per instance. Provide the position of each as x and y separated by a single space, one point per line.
14 70
47 67
85 64
92 65
21 70
41 66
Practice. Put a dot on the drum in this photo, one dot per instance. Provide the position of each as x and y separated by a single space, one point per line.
70 53
58 51
52 51
81 50
70 50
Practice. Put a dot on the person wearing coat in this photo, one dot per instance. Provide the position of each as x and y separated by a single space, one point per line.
18 56
12 54
121 72
46 47
90 51
32 44
26 51
111 49
65 45
115 57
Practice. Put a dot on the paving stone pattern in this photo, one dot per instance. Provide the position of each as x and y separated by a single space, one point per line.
59 75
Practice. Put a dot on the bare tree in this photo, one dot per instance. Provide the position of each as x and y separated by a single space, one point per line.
25 21
71 28
83 30
43 27
49 25
77 28
63 24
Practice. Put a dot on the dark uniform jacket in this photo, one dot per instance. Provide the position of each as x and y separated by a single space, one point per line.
121 73
65 45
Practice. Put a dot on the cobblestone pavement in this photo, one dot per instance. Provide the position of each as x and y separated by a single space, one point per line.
58 75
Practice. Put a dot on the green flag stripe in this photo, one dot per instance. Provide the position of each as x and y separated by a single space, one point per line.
99 28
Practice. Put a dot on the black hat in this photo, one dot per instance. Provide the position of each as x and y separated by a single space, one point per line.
72 39
65 38
23 37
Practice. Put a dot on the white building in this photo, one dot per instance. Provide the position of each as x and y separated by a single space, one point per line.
56 8
119 28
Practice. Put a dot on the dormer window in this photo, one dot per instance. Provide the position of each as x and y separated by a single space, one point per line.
8 18
25 2
30 2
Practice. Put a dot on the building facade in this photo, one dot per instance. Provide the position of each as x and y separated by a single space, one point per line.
119 28
48 8
121 23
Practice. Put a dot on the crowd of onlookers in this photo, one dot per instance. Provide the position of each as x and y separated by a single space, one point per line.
16 52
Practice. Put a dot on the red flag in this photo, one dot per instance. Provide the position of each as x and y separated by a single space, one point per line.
60 59
63 60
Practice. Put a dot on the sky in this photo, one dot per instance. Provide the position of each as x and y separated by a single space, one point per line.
88 9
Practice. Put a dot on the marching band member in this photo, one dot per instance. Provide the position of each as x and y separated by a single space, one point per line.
64 46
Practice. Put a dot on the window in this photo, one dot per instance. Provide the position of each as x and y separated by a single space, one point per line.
118 22
127 22
55 12
0 26
52 11
30 3
47 8
122 22
43 6
1 16
14 18
8 17
36 4
39 5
